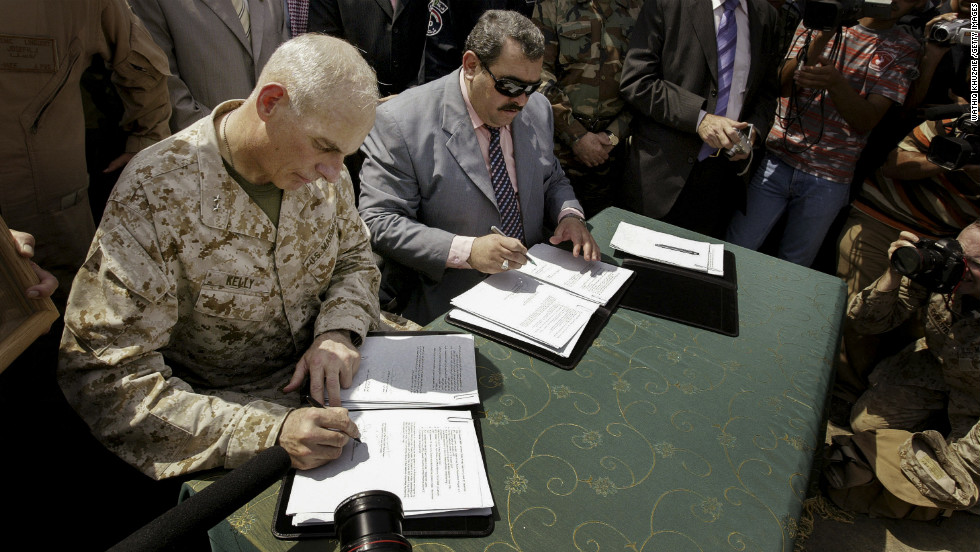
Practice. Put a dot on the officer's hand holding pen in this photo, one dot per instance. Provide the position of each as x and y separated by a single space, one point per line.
317 404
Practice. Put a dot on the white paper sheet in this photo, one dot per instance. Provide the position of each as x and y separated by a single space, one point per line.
414 371
539 311
431 459
666 248
596 281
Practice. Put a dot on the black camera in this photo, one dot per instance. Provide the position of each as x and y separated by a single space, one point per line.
935 265
371 521
828 15
956 31
957 144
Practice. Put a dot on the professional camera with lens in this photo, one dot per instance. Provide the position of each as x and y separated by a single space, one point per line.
958 144
952 32
935 265
828 15
371 522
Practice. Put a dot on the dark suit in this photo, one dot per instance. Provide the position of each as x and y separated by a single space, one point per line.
669 76
425 181
392 41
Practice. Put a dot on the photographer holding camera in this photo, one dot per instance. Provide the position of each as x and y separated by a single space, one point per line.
918 422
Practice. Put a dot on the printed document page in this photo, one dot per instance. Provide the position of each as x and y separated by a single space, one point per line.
539 311
431 459
666 248
596 281
414 371
462 316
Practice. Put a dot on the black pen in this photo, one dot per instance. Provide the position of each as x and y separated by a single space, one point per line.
678 249
317 404
500 232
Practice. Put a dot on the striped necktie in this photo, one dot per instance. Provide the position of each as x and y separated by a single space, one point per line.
727 37
510 211
241 8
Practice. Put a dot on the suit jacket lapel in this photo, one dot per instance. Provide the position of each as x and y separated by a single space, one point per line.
702 18
386 6
756 44
462 142
226 12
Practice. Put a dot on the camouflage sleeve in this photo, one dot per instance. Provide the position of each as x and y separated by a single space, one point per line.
351 301
120 314
875 312
567 128
139 73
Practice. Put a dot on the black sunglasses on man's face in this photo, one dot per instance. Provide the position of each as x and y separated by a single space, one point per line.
509 87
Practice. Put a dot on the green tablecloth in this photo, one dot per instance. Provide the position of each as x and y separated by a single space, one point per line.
665 437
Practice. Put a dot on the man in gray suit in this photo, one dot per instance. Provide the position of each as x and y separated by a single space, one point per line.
436 158
217 49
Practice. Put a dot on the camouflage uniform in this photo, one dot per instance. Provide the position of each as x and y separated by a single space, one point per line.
191 309
939 372
585 43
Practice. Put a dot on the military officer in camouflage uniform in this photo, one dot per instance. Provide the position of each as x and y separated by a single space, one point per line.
230 266
939 373
585 42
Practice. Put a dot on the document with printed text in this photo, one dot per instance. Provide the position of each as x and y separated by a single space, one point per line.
430 458
414 371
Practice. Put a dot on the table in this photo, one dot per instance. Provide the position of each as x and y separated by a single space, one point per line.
664 437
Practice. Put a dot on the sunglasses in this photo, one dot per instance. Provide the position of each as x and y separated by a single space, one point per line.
510 87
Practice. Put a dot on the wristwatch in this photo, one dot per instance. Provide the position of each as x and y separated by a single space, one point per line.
574 216
613 139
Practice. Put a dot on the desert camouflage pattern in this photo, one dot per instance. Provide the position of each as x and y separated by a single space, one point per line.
944 363
192 308
585 44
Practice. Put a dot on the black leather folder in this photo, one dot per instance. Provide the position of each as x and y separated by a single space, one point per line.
687 296
592 329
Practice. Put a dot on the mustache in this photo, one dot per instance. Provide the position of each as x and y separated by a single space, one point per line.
511 106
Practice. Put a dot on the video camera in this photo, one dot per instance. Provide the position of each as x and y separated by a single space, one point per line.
828 15
957 143
936 265
952 32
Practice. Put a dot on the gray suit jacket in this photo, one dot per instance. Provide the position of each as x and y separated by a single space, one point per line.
424 181
210 59
670 74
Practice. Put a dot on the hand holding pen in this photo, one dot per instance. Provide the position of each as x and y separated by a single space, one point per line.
496 252
315 436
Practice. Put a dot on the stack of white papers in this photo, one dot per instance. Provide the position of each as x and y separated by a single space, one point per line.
548 303
431 459
669 249
414 372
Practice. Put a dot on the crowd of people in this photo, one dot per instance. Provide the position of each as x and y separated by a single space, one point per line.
299 172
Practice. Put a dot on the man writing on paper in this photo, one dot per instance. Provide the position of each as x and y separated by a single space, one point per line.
451 159
231 265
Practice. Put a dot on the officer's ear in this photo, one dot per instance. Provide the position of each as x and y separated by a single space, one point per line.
471 64
271 97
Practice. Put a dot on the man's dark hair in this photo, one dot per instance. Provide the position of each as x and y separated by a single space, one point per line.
494 27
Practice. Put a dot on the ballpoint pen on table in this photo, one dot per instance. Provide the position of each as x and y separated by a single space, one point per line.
317 404
500 232
678 249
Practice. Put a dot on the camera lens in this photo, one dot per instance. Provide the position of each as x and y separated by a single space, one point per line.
909 261
371 522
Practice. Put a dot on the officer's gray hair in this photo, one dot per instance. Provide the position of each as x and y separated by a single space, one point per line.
321 73
494 27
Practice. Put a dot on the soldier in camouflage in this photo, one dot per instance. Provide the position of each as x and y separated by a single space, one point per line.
585 42
939 373
230 266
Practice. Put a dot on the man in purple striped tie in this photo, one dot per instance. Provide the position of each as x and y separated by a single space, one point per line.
460 175
697 73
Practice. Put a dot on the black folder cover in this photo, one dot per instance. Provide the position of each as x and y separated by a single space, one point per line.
592 329
683 295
